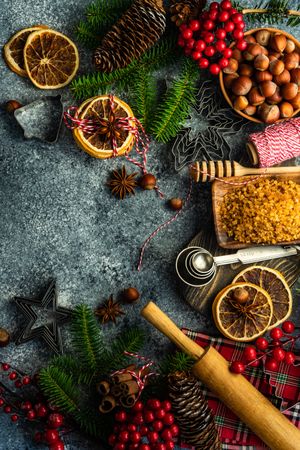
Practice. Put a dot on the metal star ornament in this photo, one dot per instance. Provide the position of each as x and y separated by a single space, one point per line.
50 330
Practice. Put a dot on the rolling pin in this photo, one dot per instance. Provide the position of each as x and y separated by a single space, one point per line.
208 170
233 390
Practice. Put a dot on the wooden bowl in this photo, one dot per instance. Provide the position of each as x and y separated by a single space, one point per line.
221 77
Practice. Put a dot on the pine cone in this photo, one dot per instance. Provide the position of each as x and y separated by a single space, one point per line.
192 413
136 31
182 11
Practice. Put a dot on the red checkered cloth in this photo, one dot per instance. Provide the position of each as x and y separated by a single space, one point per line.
282 388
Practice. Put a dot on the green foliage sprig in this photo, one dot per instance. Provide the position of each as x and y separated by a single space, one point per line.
272 11
177 361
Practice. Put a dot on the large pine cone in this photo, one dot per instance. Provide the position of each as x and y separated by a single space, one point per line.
182 11
135 32
192 413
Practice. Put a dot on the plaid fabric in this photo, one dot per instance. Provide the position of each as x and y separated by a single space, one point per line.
282 388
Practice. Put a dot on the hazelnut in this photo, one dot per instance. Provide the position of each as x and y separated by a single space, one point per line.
252 51
250 110
261 62
275 98
296 101
246 69
12 105
237 54
228 79
4 337
283 78
267 88
232 66
276 67
130 295
290 46
241 86
269 113
286 110
175 203
263 76
263 37
278 42
274 55
250 39
291 60
255 98
240 295
289 91
264 50
295 76
148 181
240 103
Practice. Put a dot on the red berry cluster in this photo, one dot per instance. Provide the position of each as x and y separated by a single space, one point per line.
206 40
278 349
145 427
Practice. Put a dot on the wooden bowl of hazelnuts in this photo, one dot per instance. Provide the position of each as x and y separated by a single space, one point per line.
262 83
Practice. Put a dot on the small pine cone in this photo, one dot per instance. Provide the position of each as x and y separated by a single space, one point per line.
192 413
183 11
134 33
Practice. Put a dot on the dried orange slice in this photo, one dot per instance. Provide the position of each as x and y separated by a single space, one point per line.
51 59
275 284
99 144
242 321
14 48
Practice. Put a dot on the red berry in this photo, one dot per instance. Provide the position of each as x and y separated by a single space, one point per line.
261 343
241 45
26 405
181 42
187 51
157 425
18 384
160 413
31 415
254 363
144 447
170 445
221 33
42 411
220 45
227 53
275 343
203 63
237 17
14 417
160 446
168 419
183 27
153 437
131 427
208 37
208 25
121 416
112 439
190 43
167 435
213 14
13 375
288 326
139 406
174 430
59 445
240 26
196 55
149 416
5 366
238 34
237 367
194 25
51 436
187 33
124 436
250 353
26 380
214 69
214 5
167 405
135 437
276 333
271 364
144 430
204 15
1 402
289 358
7 409
233 11
210 51
226 4
223 16
278 354
55 420
138 419
38 437
123 427
229 26
200 45
120 446
223 62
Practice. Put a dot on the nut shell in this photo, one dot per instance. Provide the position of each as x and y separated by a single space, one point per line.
275 98
263 37
267 88
290 46
250 110
252 51
176 203
241 86
246 70
147 182
263 76
289 91
228 79
286 110
4 337
269 113
295 76
291 60
232 66
278 42
255 97
283 78
261 62
240 103
276 67
130 295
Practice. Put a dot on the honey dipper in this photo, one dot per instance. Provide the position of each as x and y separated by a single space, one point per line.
202 171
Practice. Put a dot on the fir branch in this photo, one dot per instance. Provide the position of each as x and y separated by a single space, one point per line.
93 423
176 103
59 388
144 97
82 374
272 11
87 35
178 361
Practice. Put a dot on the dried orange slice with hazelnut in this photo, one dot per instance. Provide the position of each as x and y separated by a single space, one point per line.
99 143
242 311
275 284
13 50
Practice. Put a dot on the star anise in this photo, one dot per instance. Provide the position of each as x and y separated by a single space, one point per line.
121 183
109 311
108 128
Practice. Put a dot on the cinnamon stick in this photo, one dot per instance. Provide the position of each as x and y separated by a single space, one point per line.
130 387
128 401
118 389
103 387
120 377
107 405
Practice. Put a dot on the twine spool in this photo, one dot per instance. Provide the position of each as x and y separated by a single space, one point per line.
275 144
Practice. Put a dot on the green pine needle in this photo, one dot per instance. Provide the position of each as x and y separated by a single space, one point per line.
175 106
82 375
277 12
178 361
144 97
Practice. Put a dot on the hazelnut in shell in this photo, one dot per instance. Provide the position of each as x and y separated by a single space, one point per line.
232 66
283 78
240 103
241 86
291 60
276 67
252 51
296 101
290 46
263 37
267 88
250 110
130 295
12 105
289 91
250 39
237 54
263 76
269 113
274 55
255 97
275 98
4 337
261 62
286 110
278 42
148 181
246 69
295 76
176 203
228 79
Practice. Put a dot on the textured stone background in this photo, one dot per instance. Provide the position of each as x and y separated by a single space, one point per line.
58 219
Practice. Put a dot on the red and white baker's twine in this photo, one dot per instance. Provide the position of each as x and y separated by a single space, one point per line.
277 142
130 124
138 376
